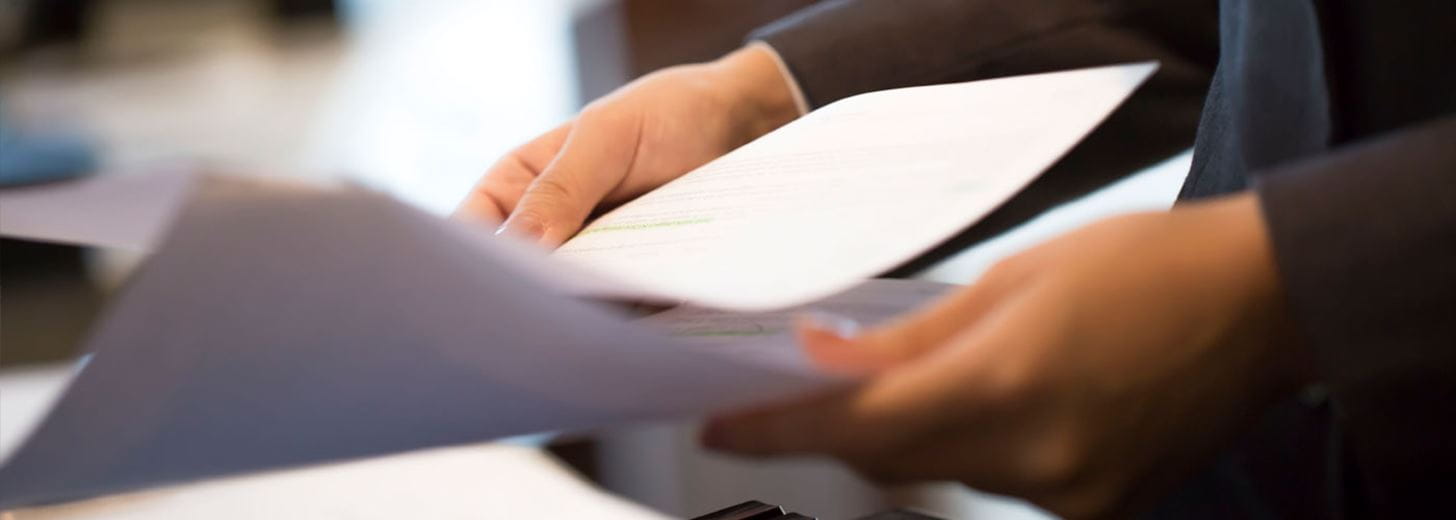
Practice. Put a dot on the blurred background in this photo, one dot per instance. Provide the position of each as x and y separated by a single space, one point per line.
415 98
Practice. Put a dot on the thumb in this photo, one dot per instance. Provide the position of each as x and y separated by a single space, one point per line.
595 158
836 344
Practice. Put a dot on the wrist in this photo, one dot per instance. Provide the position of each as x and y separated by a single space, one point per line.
761 95
1265 313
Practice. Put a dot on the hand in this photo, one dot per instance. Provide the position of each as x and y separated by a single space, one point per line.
627 143
1085 375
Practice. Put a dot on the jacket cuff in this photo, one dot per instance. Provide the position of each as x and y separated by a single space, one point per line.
1365 242
839 48
801 103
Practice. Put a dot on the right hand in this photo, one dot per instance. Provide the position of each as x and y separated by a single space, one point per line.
635 139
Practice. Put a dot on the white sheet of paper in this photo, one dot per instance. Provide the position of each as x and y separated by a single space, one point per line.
849 191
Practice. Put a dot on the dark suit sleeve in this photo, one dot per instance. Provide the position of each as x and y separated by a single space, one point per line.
1365 241
840 48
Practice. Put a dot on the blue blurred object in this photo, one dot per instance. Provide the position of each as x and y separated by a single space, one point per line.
31 159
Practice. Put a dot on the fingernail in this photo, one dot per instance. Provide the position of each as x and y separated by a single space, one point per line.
829 341
522 227
829 323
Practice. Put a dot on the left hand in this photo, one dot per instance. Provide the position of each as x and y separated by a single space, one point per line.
1085 375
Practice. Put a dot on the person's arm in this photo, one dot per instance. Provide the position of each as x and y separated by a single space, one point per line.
1090 373
840 48
1087 375
1365 243
844 47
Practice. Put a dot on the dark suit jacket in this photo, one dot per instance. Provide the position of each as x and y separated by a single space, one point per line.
1340 114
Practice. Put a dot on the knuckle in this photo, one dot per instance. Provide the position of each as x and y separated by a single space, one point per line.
512 166
550 189
530 214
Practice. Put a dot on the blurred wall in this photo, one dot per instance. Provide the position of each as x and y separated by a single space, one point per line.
618 41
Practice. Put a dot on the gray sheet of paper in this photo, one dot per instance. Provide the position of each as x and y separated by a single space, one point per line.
275 328
123 212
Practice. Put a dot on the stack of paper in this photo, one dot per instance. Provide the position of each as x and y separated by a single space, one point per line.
278 325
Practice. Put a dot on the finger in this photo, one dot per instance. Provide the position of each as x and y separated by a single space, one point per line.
859 424
997 436
910 465
496 193
828 341
951 395
593 160
877 417
836 344
487 200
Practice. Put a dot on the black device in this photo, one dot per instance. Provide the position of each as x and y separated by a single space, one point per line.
755 510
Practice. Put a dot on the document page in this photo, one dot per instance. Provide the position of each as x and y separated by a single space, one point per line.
848 191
